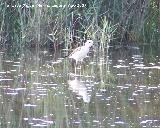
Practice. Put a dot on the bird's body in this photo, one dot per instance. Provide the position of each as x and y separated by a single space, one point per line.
81 52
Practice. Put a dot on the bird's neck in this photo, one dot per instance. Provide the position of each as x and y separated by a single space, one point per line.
86 46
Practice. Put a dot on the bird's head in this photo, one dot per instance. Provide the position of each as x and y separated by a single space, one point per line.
89 43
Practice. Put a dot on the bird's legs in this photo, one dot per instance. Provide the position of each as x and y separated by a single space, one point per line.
75 67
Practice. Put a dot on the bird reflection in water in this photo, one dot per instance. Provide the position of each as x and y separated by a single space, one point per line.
79 88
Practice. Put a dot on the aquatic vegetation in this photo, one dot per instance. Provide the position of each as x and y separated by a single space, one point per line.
50 24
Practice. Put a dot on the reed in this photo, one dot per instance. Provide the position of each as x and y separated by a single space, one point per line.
38 23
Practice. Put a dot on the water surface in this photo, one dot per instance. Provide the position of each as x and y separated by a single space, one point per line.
111 88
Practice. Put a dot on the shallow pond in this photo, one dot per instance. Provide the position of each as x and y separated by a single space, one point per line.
112 88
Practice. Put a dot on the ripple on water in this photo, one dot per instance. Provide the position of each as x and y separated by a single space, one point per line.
38 122
150 122
145 67
120 122
30 105
6 79
121 66
12 93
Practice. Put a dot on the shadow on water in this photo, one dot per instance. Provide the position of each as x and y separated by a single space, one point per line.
115 88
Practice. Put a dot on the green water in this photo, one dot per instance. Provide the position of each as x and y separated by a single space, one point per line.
116 88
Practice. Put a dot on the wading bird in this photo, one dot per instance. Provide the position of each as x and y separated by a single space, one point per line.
81 52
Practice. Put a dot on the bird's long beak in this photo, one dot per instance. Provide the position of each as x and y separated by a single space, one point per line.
93 48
